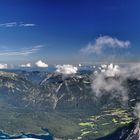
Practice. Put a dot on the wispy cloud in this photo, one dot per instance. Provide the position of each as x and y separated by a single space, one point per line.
16 24
26 25
10 24
22 52
104 42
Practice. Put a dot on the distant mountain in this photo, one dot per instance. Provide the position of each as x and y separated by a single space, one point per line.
53 91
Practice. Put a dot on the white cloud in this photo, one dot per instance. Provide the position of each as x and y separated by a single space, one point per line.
132 71
3 66
111 70
26 65
80 65
104 66
41 64
111 80
66 69
103 43
22 52
100 81
107 80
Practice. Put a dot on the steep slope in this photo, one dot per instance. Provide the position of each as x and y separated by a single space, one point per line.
129 132
69 92
17 90
59 92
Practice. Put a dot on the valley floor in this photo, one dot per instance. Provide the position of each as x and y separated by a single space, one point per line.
73 124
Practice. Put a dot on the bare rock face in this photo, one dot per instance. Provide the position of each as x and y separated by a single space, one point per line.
129 132
51 91
135 133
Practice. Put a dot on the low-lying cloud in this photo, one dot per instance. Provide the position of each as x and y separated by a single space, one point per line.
66 69
107 80
110 79
28 65
110 70
3 66
41 64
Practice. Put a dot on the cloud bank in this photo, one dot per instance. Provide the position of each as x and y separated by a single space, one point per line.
104 42
106 81
111 70
41 64
66 69
110 79
26 65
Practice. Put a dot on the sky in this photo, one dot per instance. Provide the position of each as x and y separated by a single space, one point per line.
61 31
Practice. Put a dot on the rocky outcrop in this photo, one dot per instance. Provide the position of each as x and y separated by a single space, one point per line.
135 133
129 132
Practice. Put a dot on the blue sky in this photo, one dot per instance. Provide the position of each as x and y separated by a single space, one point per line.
56 30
